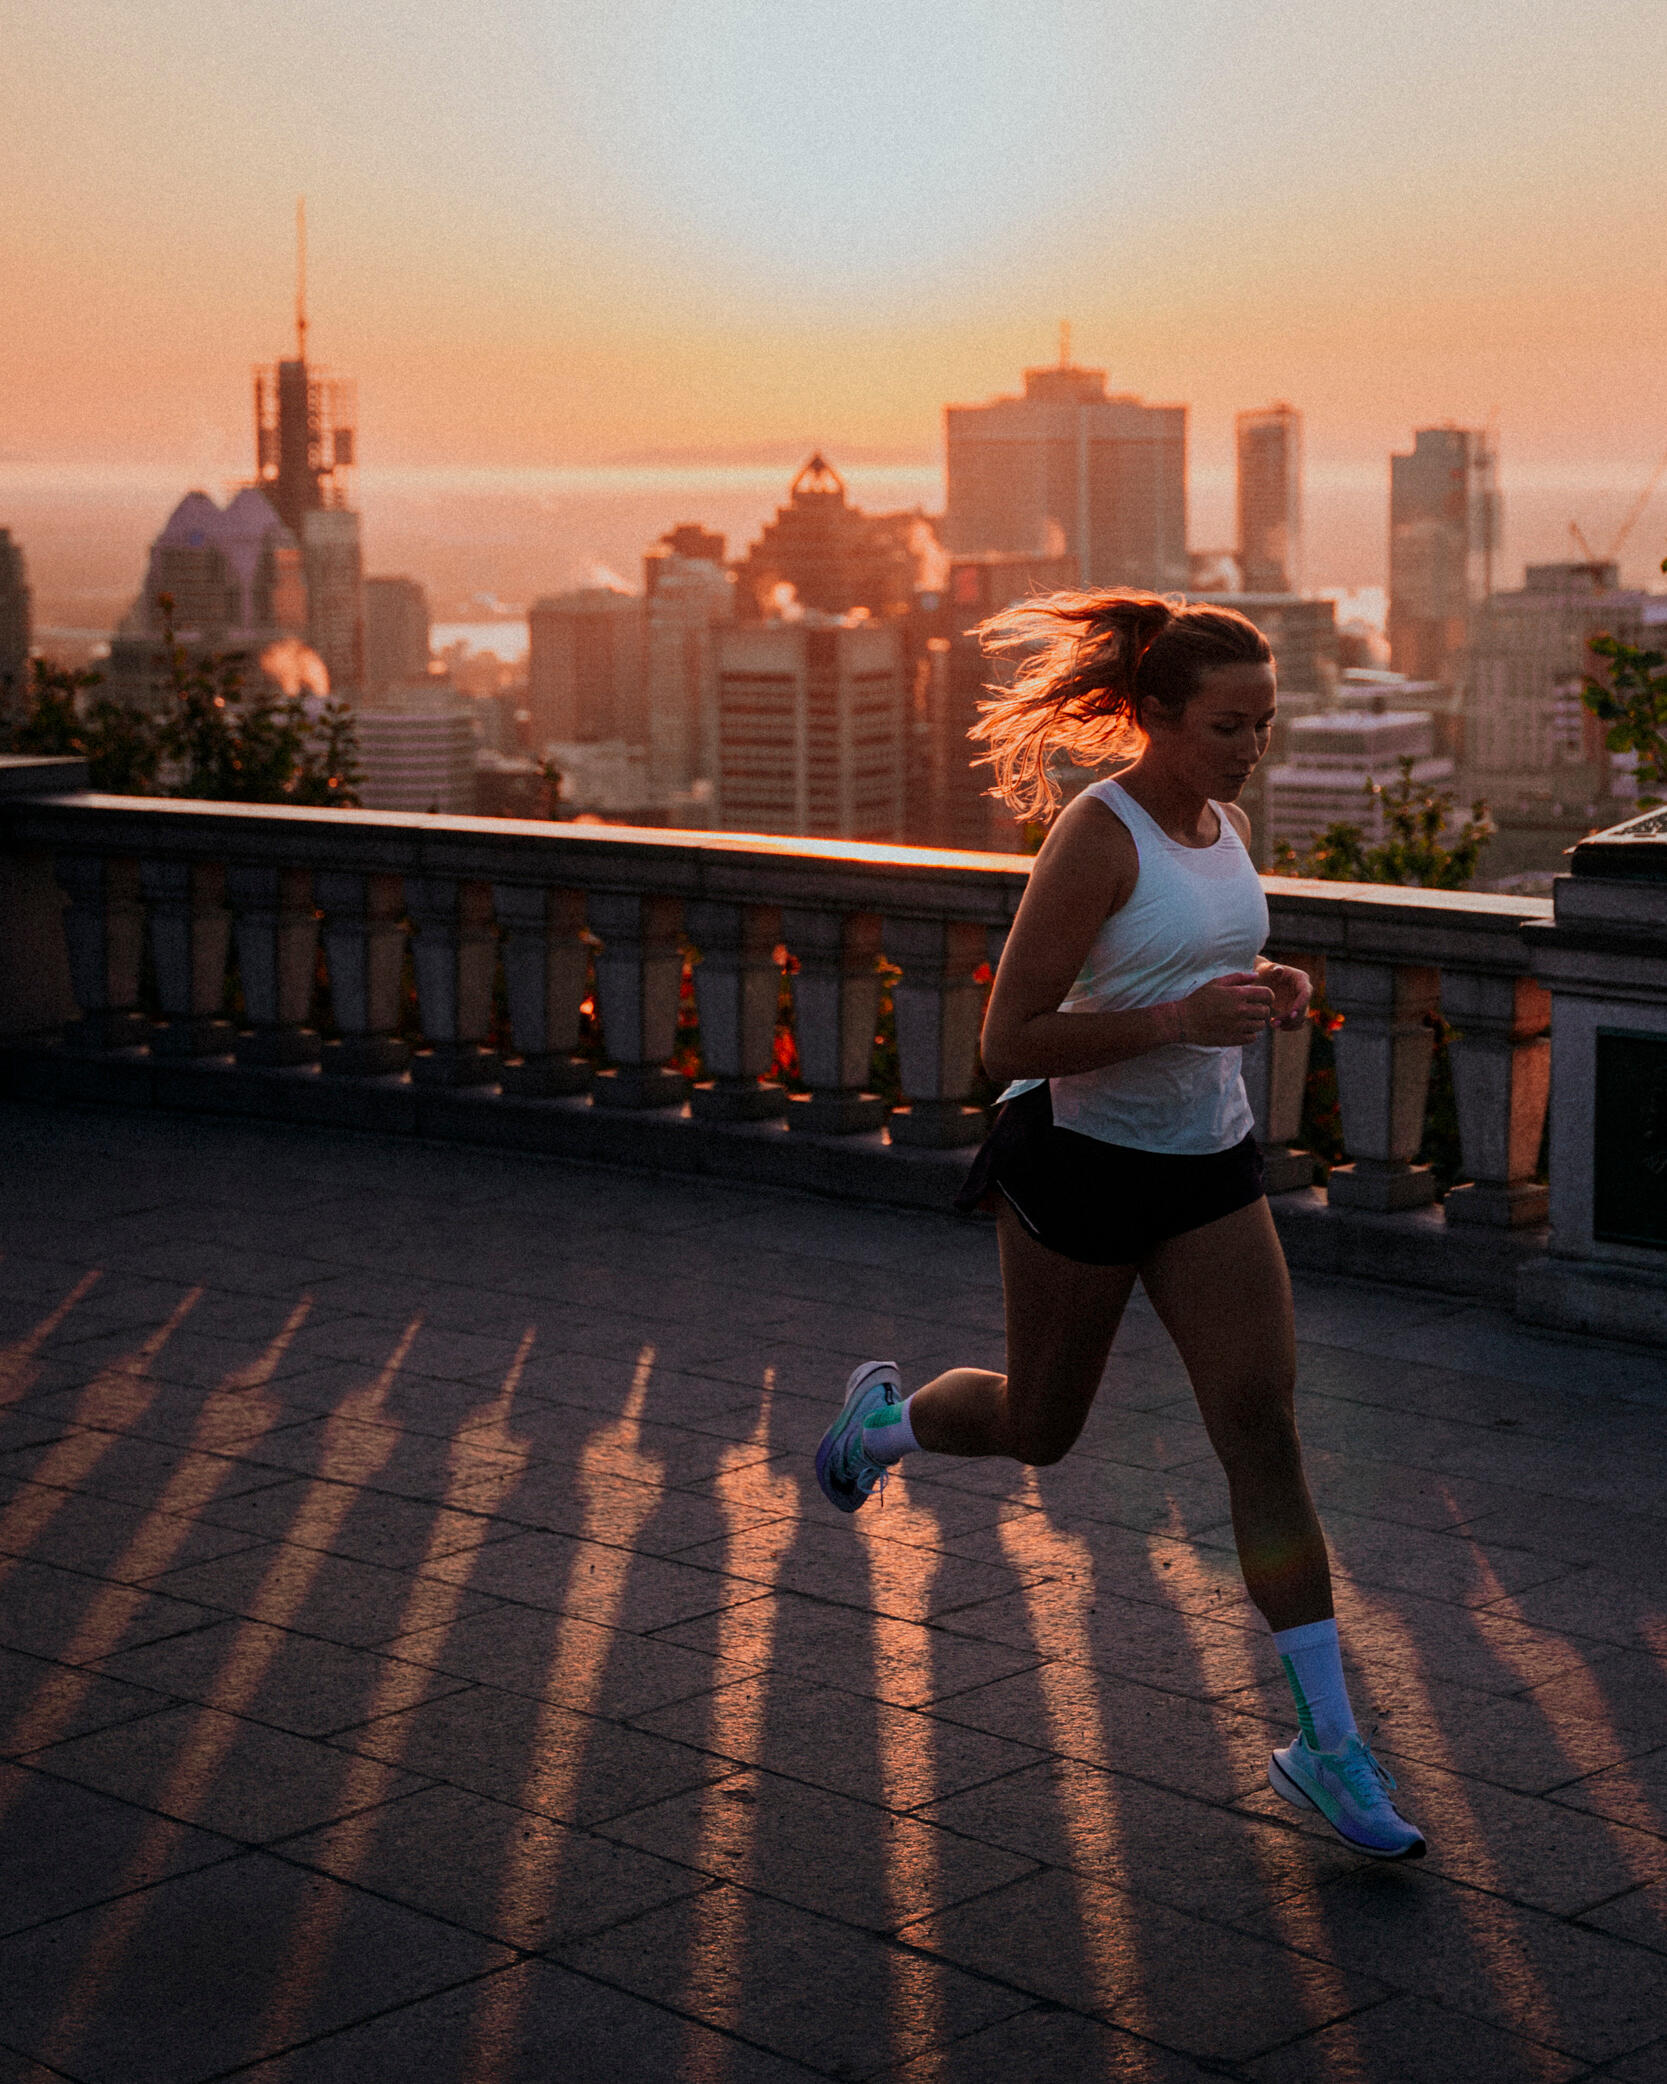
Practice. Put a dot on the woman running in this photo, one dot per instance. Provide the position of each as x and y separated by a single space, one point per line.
1131 982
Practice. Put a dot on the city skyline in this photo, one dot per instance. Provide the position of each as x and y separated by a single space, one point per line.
553 238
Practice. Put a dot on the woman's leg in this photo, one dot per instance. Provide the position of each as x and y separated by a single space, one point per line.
1061 1319
1224 1296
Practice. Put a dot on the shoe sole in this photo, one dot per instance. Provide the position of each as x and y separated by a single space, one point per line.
1282 1784
870 1371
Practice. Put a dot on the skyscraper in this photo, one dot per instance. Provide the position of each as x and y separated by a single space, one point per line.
810 728
1443 531
1270 499
1069 470
396 633
833 555
16 623
689 597
585 667
305 451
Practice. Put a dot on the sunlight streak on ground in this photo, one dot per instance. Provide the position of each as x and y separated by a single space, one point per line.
578 1666
16 1370
116 1398
736 1730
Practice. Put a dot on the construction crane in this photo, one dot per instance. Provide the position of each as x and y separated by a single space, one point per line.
1634 515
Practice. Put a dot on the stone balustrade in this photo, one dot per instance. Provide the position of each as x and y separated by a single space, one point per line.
453 960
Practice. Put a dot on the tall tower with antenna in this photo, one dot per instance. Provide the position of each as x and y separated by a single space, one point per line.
304 457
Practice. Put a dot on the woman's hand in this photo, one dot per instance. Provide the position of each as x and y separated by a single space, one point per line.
1227 1013
1292 989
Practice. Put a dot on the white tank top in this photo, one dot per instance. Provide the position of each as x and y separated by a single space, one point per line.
1195 913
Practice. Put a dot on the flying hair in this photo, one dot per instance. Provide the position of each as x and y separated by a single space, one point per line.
1088 665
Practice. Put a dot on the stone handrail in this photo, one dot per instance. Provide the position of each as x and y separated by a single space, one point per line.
573 909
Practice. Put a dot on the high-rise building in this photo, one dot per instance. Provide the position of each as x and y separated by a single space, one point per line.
1270 499
16 624
396 633
305 452
585 667
810 728
1532 748
833 556
1069 470
688 598
1330 763
417 750
1443 533
688 540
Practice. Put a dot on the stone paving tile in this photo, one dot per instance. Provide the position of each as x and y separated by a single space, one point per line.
371 1526
783 1979
594 1580
1212 1751
1191 1855
1173 1979
1634 1793
560 1657
219 1772
1627 1543
535 1755
200 1972
139 1471
835 1740
337 1597
834 1563
1047 2047
1626 1689
1648 2066
1600 1603
550 1498
1640 1915
909 1666
95 1535
81 1700
824 1852
64 1847
1405 2039
1582 1993
526 1880
506 2026
43 1605
305 1684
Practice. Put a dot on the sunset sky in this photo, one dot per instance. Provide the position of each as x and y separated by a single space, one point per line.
580 229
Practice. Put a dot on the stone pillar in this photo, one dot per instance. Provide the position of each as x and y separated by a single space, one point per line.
737 987
190 938
1500 1055
454 951
836 1003
364 948
104 929
275 927
1384 1049
639 973
1275 1078
940 1007
546 976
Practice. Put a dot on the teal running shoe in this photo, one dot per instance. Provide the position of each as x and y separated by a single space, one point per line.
845 1471
1350 1789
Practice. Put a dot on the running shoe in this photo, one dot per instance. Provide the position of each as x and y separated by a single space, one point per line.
845 1471
1350 1789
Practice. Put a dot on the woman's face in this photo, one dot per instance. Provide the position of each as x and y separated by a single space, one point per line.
1216 741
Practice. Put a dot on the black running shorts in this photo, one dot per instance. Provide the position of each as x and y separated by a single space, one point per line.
1102 1204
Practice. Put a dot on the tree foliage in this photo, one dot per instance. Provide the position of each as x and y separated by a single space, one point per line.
1633 704
1415 850
218 738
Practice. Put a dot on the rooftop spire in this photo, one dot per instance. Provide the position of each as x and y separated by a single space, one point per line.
301 278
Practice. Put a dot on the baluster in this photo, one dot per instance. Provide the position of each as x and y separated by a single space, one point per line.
364 949
190 938
1384 1049
104 930
1500 1055
737 987
546 975
639 974
454 952
940 1006
275 926
836 1003
1275 1078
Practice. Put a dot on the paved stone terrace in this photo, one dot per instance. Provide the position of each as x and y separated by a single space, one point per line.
427 1657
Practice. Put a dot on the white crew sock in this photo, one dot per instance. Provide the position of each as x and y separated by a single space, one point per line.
891 1440
1314 1666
